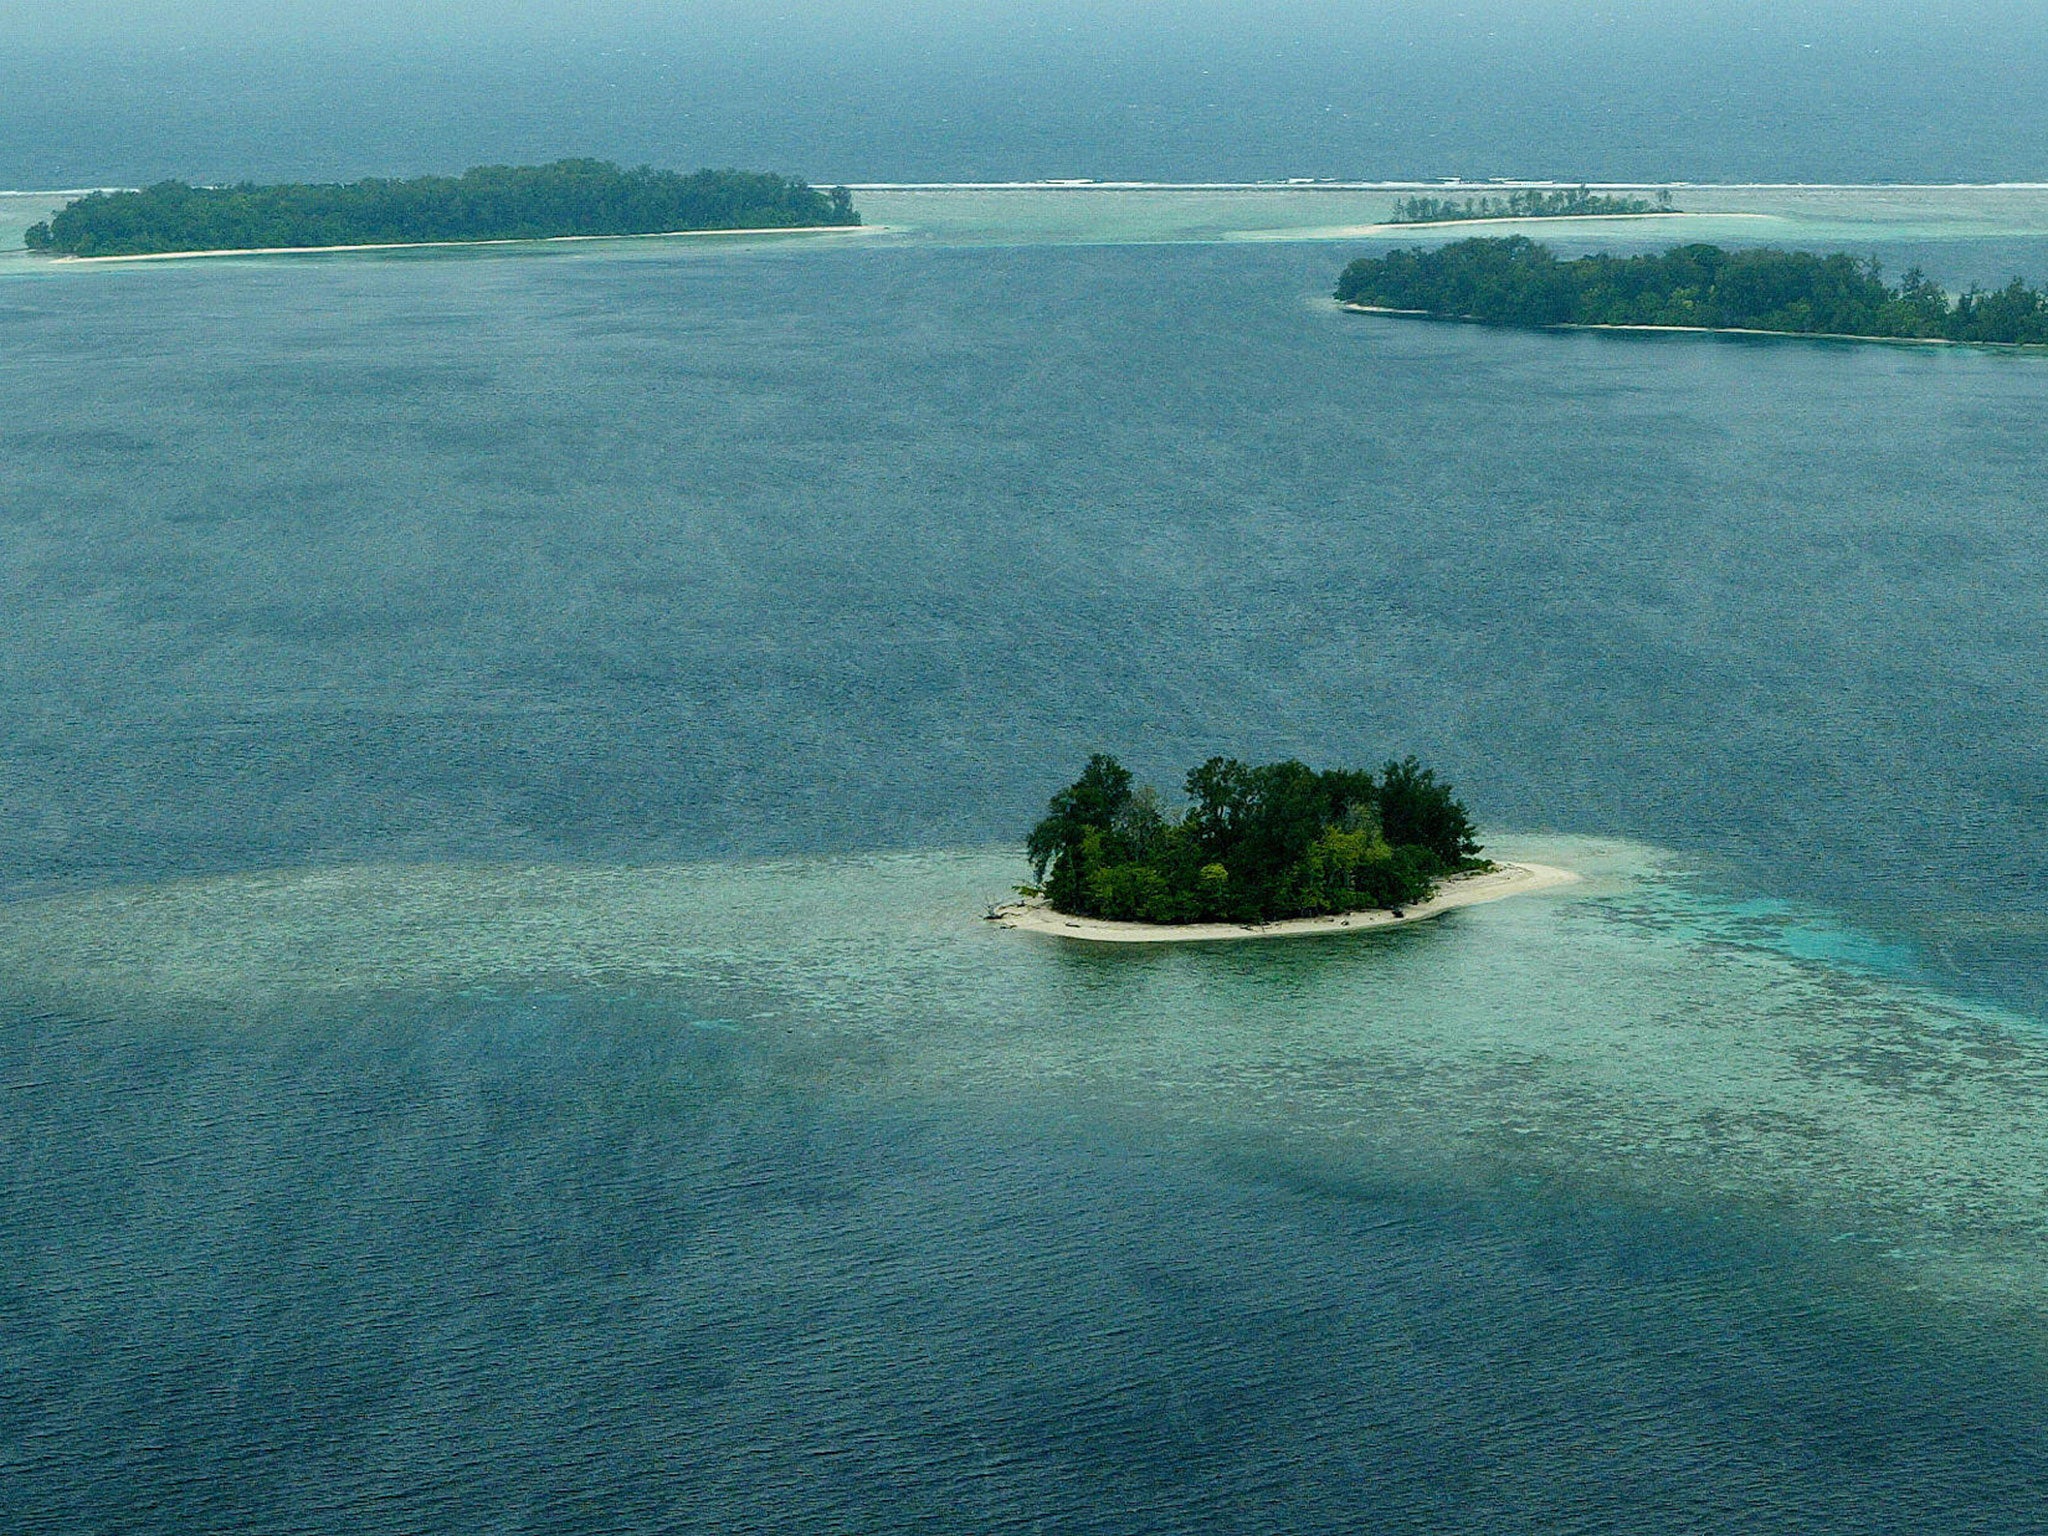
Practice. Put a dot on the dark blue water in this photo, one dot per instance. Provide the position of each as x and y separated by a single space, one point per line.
810 551
549 1263
610 559
1792 92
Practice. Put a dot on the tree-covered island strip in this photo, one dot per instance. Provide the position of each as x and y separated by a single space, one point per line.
1574 203
1269 851
567 199
1513 280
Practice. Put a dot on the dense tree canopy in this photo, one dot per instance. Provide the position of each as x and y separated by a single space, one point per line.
1576 203
1515 281
496 202
1252 845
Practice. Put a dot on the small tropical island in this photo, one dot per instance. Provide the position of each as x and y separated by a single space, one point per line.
1573 203
567 199
1515 281
1274 850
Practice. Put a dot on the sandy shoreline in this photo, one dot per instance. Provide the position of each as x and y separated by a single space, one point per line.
1693 330
454 245
1458 891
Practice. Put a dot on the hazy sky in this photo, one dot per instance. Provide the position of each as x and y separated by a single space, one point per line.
1823 22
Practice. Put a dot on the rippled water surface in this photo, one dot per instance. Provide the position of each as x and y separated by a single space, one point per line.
502 759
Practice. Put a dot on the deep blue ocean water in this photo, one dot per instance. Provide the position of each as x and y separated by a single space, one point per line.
1188 90
494 1031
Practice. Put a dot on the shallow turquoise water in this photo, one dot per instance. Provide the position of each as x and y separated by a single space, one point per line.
740 1194
502 759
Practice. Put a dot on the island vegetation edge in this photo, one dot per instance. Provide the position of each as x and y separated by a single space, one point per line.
1453 891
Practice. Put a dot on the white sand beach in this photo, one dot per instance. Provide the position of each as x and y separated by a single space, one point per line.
1700 330
441 245
1459 891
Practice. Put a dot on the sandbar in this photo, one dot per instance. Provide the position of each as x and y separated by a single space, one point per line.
1496 884
1543 218
1368 231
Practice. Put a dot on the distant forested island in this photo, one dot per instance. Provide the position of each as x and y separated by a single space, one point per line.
1577 203
1515 281
1255 844
494 202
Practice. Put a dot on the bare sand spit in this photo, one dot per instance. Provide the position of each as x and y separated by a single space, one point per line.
1396 225
1458 891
